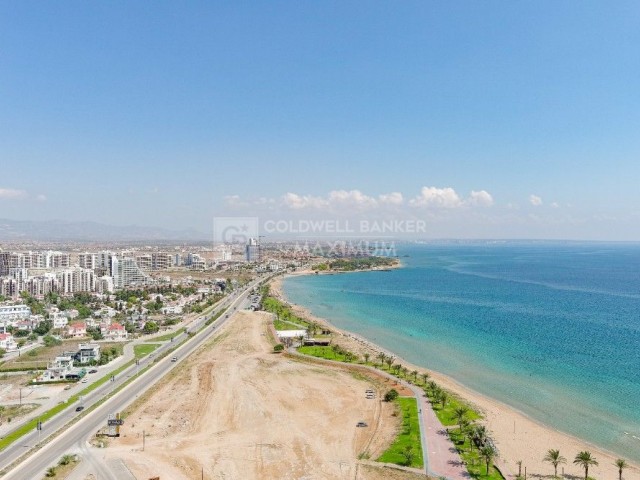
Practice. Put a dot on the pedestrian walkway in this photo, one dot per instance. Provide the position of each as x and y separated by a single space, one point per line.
443 458
440 455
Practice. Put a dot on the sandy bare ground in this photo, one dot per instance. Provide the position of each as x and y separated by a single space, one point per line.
239 411
531 439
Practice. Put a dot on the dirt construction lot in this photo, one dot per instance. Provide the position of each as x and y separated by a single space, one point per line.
239 411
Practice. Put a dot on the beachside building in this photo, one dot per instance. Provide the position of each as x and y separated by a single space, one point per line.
291 333
7 342
115 332
77 330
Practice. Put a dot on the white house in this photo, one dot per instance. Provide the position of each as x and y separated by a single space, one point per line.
115 332
172 310
77 330
7 342
59 319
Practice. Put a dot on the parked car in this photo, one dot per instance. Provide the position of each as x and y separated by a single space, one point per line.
93 371
362 424
80 408
174 359
85 380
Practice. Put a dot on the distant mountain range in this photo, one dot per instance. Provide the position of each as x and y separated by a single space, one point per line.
63 230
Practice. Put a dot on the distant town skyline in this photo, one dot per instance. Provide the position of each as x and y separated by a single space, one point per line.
499 120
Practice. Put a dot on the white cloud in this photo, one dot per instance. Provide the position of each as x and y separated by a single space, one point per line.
349 201
341 200
535 200
447 197
555 205
12 193
352 198
234 201
481 198
41 198
298 202
436 197
393 198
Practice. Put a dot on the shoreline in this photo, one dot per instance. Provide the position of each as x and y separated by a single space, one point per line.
517 435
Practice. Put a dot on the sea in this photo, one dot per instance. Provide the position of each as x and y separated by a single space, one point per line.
551 329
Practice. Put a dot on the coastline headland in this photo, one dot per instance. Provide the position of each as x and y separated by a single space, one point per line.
517 436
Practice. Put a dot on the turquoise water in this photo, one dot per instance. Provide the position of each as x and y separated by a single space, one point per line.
552 330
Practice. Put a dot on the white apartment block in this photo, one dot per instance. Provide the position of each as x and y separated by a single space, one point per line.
127 273
9 287
88 260
76 280
57 259
13 313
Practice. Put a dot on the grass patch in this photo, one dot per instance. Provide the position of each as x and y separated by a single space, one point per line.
329 353
280 325
447 416
408 439
283 314
144 349
168 336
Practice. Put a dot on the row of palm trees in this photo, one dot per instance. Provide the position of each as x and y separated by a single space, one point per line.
585 459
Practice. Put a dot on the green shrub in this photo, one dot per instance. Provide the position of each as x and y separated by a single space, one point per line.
391 395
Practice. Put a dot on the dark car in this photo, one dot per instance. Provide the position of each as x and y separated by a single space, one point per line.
79 409
93 371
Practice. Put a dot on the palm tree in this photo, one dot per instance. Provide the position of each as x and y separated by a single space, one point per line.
389 361
621 464
519 463
584 459
442 397
460 413
415 375
382 357
425 377
480 434
464 428
405 372
432 386
488 453
555 459
366 356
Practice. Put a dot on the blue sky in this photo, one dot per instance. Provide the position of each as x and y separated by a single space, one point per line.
171 113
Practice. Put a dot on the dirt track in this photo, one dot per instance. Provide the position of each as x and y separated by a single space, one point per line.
239 411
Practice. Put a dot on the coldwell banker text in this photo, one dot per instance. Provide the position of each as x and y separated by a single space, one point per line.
338 227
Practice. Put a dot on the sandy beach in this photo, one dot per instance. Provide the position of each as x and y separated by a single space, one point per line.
517 436
236 410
